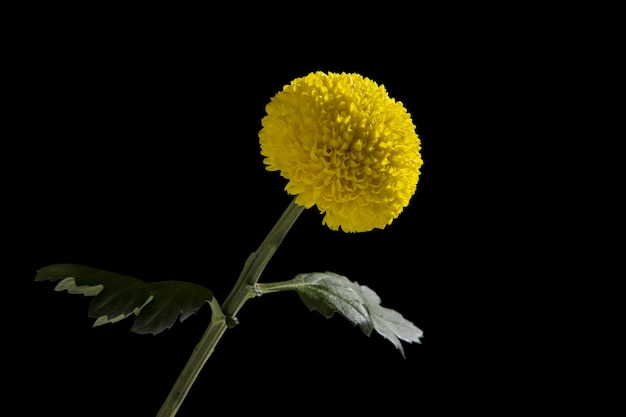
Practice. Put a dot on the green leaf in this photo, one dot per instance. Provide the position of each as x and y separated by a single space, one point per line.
327 293
389 323
156 305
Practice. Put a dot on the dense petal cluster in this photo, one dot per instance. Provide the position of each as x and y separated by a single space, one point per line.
345 146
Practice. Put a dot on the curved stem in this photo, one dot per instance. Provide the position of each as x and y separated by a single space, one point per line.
241 292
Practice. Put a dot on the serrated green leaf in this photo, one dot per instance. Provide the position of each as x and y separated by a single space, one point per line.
328 292
156 305
389 323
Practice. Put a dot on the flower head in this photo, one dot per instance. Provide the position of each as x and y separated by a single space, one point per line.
345 146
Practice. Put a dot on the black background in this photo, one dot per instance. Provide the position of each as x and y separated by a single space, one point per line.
136 151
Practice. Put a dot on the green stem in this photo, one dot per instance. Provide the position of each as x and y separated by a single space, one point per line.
270 287
241 292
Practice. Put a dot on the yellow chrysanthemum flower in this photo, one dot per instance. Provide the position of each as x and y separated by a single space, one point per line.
345 146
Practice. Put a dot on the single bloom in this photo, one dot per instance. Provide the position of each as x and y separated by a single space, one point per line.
344 146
